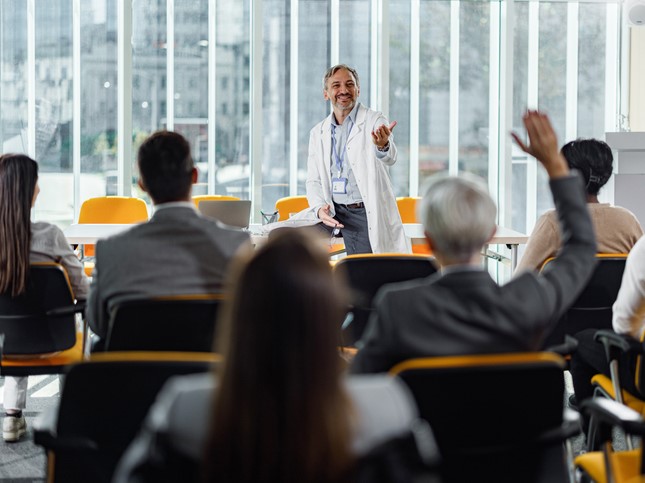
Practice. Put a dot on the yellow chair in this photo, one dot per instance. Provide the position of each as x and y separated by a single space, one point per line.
290 204
111 210
407 206
608 465
198 198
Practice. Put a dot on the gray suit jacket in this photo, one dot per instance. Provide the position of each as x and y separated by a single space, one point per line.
384 409
466 312
177 252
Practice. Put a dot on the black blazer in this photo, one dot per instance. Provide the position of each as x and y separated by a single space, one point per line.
466 312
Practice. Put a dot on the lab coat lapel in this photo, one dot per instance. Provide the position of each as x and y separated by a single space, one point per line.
359 125
325 133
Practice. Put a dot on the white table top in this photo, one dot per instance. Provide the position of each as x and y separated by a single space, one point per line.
88 233
503 236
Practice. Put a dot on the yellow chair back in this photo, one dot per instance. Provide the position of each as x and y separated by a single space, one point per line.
290 204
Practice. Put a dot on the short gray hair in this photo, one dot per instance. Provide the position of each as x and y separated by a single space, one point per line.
332 70
458 214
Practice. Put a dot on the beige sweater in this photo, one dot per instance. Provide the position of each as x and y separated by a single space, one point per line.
617 230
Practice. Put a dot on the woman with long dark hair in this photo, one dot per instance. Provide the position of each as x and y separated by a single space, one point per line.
22 242
279 408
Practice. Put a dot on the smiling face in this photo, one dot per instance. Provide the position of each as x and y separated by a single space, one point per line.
342 90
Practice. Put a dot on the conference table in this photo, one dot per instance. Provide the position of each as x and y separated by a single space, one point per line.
87 233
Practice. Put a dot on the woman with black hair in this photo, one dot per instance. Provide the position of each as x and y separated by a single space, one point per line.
617 229
23 242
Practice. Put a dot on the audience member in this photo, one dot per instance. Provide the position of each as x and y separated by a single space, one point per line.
616 228
461 310
628 318
177 252
278 407
23 242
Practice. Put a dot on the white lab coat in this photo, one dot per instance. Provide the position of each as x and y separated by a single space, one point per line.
383 220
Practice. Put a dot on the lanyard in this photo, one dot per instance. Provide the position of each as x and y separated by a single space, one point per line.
339 158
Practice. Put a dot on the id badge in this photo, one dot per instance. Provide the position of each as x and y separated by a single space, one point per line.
339 186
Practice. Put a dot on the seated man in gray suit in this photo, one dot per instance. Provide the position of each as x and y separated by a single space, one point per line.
461 310
177 252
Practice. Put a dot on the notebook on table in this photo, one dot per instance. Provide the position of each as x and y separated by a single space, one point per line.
236 213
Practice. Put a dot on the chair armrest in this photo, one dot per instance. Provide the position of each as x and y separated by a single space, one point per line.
78 307
568 347
45 434
615 344
609 412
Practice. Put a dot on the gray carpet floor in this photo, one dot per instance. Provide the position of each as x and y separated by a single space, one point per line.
23 461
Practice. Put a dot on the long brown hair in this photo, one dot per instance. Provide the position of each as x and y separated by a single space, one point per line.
18 177
280 412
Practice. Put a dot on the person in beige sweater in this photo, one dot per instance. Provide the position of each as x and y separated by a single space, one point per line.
617 229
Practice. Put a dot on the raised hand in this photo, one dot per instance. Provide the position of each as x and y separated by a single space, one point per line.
381 135
543 143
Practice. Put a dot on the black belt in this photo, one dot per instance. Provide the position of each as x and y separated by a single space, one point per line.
360 204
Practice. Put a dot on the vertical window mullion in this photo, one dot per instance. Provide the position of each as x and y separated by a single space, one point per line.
76 105
415 56
124 109
494 100
532 103
611 61
571 111
31 78
334 25
255 114
170 65
504 211
212 94
453 143
293 105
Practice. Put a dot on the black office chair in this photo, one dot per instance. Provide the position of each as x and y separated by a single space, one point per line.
496 418
39 326
366 274
593 307
172 323
102 406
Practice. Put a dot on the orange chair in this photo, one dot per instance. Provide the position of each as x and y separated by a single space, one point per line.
290 204
111 209
408 210
198 198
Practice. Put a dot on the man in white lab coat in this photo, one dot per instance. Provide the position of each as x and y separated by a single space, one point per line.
348 186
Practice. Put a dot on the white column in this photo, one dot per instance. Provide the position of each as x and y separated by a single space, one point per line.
293 105
415 56
571 109
255 114
76 104
212 94
170 65
453 143
124 101
31 78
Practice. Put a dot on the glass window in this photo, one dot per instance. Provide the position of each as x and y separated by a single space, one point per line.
434 87
98 99
149 65
54 87
313 60
191 82
13 78
399 109
232 72
276 103
355 34
474 71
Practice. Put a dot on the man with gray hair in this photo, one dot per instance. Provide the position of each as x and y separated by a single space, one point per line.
461 309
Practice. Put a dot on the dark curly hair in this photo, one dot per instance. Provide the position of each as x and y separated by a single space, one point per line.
593 159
